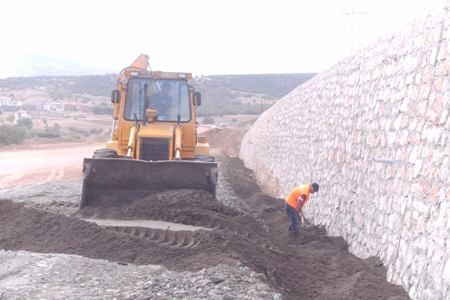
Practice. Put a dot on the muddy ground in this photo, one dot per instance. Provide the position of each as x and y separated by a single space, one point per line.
244 225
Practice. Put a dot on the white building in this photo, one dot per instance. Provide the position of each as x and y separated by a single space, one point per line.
21 114
53 107
7 102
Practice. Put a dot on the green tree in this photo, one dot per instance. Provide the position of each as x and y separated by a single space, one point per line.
70 107
208 120
29 107
100 110
25 123
12 134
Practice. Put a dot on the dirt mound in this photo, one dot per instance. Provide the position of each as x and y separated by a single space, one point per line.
166 205
227 140
26 228
191 207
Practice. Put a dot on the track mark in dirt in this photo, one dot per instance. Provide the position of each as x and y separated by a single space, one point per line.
191 207
51 175
61 207
56 173
43 164
61 204
179 239
145 224
60 173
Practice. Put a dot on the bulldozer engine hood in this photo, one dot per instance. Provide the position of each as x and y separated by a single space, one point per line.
155 130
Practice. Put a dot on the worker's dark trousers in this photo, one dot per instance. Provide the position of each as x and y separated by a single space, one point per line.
293 215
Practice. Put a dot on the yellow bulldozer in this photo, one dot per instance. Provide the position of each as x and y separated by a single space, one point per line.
154 145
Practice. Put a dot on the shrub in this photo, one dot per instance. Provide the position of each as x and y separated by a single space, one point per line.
208 120
102 110
12 134
96 130
50 132
70 107
29 107
25 123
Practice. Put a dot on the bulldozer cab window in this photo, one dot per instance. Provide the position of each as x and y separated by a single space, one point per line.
170 98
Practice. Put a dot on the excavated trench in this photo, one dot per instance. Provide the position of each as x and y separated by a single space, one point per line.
313 266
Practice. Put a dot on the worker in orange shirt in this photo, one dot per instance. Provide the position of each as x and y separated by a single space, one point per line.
295 201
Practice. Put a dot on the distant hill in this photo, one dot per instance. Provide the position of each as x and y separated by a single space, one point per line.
221 94
244 94
271 85
64 86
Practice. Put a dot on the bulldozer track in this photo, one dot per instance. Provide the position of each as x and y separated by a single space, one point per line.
178 239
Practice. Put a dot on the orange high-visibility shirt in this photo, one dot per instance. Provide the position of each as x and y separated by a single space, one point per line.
302 190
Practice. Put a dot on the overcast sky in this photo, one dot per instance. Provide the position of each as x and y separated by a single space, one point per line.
200 36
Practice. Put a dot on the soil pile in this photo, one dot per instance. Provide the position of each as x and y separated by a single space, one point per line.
191 207
228 140
27 228
166 205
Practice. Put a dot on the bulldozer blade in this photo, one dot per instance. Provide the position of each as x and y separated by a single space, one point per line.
117 181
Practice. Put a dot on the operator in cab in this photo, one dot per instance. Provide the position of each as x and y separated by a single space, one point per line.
161 101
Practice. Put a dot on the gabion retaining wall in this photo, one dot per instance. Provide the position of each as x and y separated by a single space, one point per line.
374 132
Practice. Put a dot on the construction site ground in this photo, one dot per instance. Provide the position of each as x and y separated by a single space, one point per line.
235 247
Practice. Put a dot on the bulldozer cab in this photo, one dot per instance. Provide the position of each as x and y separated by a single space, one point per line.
156 107
170 99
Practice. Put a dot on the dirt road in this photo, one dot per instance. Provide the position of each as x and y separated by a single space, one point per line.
43 164
37 164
